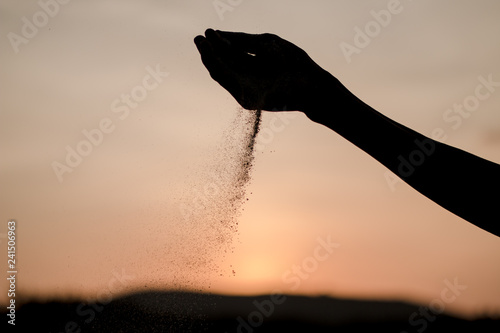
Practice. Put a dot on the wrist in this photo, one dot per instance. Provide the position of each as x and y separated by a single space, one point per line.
326 99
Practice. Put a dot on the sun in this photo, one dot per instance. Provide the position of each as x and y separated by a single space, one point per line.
257 269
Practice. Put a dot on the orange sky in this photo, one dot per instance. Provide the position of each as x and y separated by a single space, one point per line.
120 211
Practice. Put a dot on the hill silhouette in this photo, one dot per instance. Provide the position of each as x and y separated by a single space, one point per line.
160 311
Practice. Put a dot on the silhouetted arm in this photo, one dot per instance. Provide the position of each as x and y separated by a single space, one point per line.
464 184
269 73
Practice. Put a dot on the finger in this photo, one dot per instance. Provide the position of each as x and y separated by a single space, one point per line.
209 58
218 69
216 40
206 51
198 39
224 48
250 43
240 62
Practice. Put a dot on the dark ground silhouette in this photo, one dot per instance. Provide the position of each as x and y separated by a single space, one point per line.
191 312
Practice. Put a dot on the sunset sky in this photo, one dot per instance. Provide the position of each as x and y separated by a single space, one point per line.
128 208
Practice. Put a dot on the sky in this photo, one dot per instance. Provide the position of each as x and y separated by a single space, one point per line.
319 216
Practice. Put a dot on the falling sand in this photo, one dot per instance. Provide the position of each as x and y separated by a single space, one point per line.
197 241
210 207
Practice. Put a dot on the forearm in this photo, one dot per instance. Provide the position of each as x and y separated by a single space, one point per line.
464 184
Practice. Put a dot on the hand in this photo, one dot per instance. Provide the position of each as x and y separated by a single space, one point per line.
262 72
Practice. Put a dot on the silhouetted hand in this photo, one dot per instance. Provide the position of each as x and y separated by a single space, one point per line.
264 71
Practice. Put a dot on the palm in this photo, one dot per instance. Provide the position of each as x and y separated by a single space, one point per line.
262 72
